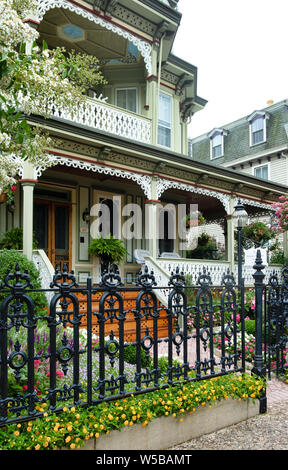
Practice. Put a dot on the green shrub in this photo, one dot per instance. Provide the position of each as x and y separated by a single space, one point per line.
13 240
130 356
8 261
250 327
163 364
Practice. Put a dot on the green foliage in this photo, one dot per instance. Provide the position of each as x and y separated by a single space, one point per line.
277 257
250 327
189 291
130 356
257 234
74 426
13 240
109 248
8 261
163 364
207 248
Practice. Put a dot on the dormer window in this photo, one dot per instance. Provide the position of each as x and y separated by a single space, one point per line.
258 121
257 130
217 143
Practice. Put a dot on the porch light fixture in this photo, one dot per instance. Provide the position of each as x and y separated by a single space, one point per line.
240 217
86 216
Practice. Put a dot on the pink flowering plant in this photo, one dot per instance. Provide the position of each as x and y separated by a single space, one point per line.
281 214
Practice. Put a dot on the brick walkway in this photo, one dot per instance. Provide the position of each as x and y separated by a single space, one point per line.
276 391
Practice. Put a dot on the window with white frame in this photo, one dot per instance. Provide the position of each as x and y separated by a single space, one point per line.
262 172
165 120
217 145
257 129
216 137
127 98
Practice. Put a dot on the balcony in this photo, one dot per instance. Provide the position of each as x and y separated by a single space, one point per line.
101 116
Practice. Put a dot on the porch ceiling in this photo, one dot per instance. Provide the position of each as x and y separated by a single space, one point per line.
210 207
72 175
65 28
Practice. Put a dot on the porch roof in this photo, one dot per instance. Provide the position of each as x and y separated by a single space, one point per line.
152 160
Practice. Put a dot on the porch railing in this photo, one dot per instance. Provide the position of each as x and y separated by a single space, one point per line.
48 357
215 268
106 117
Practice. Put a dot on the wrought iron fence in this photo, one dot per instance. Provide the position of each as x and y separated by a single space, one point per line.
72 355
276 324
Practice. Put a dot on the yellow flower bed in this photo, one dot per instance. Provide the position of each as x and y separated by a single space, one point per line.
74 426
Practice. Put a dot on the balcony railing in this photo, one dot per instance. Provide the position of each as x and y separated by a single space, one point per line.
106 117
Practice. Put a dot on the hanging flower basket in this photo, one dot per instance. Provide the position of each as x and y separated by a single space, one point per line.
192 222
257 234
3 198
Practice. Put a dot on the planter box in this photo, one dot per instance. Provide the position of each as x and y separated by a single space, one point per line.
166 432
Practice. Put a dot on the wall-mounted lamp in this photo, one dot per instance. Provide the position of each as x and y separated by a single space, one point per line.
86 216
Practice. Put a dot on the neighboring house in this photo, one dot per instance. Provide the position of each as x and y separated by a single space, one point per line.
256 144
129 148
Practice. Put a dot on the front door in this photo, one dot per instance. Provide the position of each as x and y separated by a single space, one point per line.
167 237
52 230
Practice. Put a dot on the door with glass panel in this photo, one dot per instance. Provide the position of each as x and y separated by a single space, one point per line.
52 230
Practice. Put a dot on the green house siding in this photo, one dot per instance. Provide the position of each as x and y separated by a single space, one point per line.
237 140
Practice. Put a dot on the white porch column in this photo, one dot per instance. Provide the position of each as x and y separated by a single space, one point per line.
230 235
28 182
151 222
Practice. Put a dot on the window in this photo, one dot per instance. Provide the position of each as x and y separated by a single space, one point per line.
257 130
261 172
257 125
164 120
127 98
217 143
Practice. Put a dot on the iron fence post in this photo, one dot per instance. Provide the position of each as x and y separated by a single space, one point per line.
259 366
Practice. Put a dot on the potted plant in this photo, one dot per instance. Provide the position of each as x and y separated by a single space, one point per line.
109 250
207 248
203 239
192 222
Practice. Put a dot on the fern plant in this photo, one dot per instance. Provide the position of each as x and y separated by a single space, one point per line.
109 249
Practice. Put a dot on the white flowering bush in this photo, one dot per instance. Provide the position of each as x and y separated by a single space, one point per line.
31 79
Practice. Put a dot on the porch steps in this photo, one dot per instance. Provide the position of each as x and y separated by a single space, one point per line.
129 297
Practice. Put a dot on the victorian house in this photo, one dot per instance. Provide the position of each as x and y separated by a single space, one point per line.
129 145
255 144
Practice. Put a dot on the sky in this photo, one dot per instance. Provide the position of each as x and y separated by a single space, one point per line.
240 49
